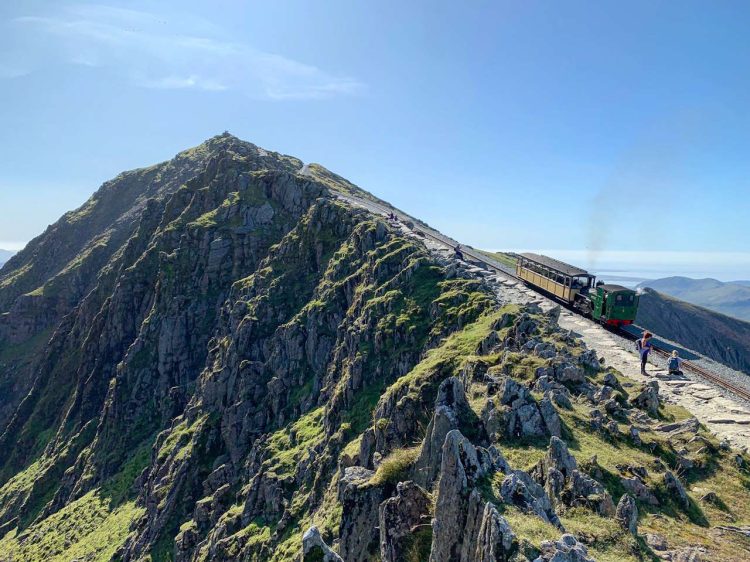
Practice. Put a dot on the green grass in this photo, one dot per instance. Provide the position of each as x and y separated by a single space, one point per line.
395 467
286 447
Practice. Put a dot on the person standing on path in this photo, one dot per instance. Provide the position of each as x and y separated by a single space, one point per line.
644 348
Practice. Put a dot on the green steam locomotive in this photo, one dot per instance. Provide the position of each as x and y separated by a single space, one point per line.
610 304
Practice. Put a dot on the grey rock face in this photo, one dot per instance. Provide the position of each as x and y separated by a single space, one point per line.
567 549
521 490
627 514
521 415
450 402
558 473
648 398
400 516
361 502
676 489
638 489
466 528
315 549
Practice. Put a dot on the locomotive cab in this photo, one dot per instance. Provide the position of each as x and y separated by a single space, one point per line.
614 305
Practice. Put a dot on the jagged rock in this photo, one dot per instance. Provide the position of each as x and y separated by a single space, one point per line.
554 314
504 321
488 344
450 404
690 425
569 373
648 398
399 517
586 491
711 498
521 415
567 549
611 380
627 514
560 394
604 393
559 457
545 350
638 489
360 502
464 524
519 489
314 549
551 417
495 540
656 542
589 360
676 489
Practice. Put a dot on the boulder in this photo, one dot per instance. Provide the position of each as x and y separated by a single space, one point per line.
627 514
567 549
638 489
648 398
676 489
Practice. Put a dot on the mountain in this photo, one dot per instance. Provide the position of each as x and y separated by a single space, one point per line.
5 255
221 357
720 337
732 299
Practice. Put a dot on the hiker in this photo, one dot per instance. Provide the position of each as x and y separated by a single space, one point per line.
674 364
644 346
459 253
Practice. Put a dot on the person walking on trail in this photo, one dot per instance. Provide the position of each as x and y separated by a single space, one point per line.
674 364
644 346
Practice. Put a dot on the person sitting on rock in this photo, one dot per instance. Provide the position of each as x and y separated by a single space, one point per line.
644 348
674 364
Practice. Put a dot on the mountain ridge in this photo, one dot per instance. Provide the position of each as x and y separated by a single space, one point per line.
729 298
245 366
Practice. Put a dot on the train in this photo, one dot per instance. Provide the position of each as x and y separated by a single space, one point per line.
612 305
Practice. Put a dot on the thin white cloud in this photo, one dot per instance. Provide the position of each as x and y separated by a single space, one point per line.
152 52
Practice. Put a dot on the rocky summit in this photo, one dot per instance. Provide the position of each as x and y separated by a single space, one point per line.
221 357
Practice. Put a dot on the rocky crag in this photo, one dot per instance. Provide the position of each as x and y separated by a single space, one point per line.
218 358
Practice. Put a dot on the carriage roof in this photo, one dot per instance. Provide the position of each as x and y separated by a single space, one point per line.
557 265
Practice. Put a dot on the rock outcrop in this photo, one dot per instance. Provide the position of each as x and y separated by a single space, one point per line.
226 357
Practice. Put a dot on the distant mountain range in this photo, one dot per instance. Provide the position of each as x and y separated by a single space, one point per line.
720 337
731 298
5 255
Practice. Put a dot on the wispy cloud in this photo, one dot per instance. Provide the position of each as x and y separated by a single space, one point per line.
153 52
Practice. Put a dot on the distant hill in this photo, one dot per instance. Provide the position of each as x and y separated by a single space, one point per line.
731 298
5 255
720 337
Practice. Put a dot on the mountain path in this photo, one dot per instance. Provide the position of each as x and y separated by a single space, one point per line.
725 415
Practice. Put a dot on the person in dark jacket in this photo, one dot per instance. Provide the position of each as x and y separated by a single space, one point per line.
644 348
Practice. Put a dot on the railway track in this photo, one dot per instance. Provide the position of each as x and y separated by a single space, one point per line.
507 271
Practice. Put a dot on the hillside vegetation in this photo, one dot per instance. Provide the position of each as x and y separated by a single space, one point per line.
217 358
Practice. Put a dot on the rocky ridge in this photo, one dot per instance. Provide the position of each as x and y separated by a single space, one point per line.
253 369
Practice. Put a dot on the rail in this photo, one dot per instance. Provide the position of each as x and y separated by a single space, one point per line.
505 270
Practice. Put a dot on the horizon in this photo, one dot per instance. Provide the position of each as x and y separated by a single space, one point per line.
591 128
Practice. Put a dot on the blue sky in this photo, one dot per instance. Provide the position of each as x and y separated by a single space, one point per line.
592 126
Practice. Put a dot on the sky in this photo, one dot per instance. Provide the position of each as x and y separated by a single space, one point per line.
604 128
